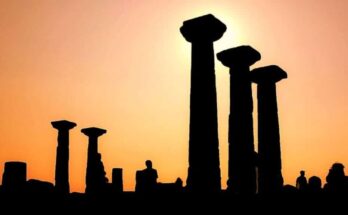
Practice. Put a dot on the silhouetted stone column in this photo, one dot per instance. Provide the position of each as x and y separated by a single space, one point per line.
117 181
14 176
204 164
241 161
270 175
62 157
95 174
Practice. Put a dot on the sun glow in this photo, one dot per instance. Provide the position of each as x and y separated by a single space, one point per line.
124 66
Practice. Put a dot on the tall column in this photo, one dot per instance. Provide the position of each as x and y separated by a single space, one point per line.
62 159
241 161
204 164
94 174
270 173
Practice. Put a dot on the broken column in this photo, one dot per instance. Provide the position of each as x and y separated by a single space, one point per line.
95 174
204 164
117 180
241 161
14 176
62 157
269 160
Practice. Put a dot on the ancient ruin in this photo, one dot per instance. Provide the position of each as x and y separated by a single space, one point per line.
62 158
269 153
204 164
241 160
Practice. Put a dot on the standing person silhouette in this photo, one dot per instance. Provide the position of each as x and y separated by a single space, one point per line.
301 181
149 177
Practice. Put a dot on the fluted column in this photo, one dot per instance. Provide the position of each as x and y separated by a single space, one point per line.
93 174
241 160
270 173
62 157
204 164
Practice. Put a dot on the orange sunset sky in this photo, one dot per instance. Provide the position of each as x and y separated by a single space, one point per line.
122 65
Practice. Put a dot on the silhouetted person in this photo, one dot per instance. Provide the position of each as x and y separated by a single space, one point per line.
269 154
179 184
204 164
241 164
301 181
149 177
336 181
62 157
314 184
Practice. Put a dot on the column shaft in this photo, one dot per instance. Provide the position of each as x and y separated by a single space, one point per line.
62 162
241 171
204 165
92 164
270 176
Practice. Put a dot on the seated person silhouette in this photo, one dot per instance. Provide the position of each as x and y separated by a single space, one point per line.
314 184
178 183
149 178
301 181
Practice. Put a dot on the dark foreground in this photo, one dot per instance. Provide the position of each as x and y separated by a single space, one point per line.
129 202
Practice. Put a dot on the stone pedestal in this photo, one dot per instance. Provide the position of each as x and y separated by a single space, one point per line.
14 176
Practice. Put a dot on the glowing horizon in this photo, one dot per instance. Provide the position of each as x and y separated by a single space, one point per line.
123 66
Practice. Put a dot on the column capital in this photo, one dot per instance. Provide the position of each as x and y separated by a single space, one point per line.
268 74
63 125
205 28
93 131
239 56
